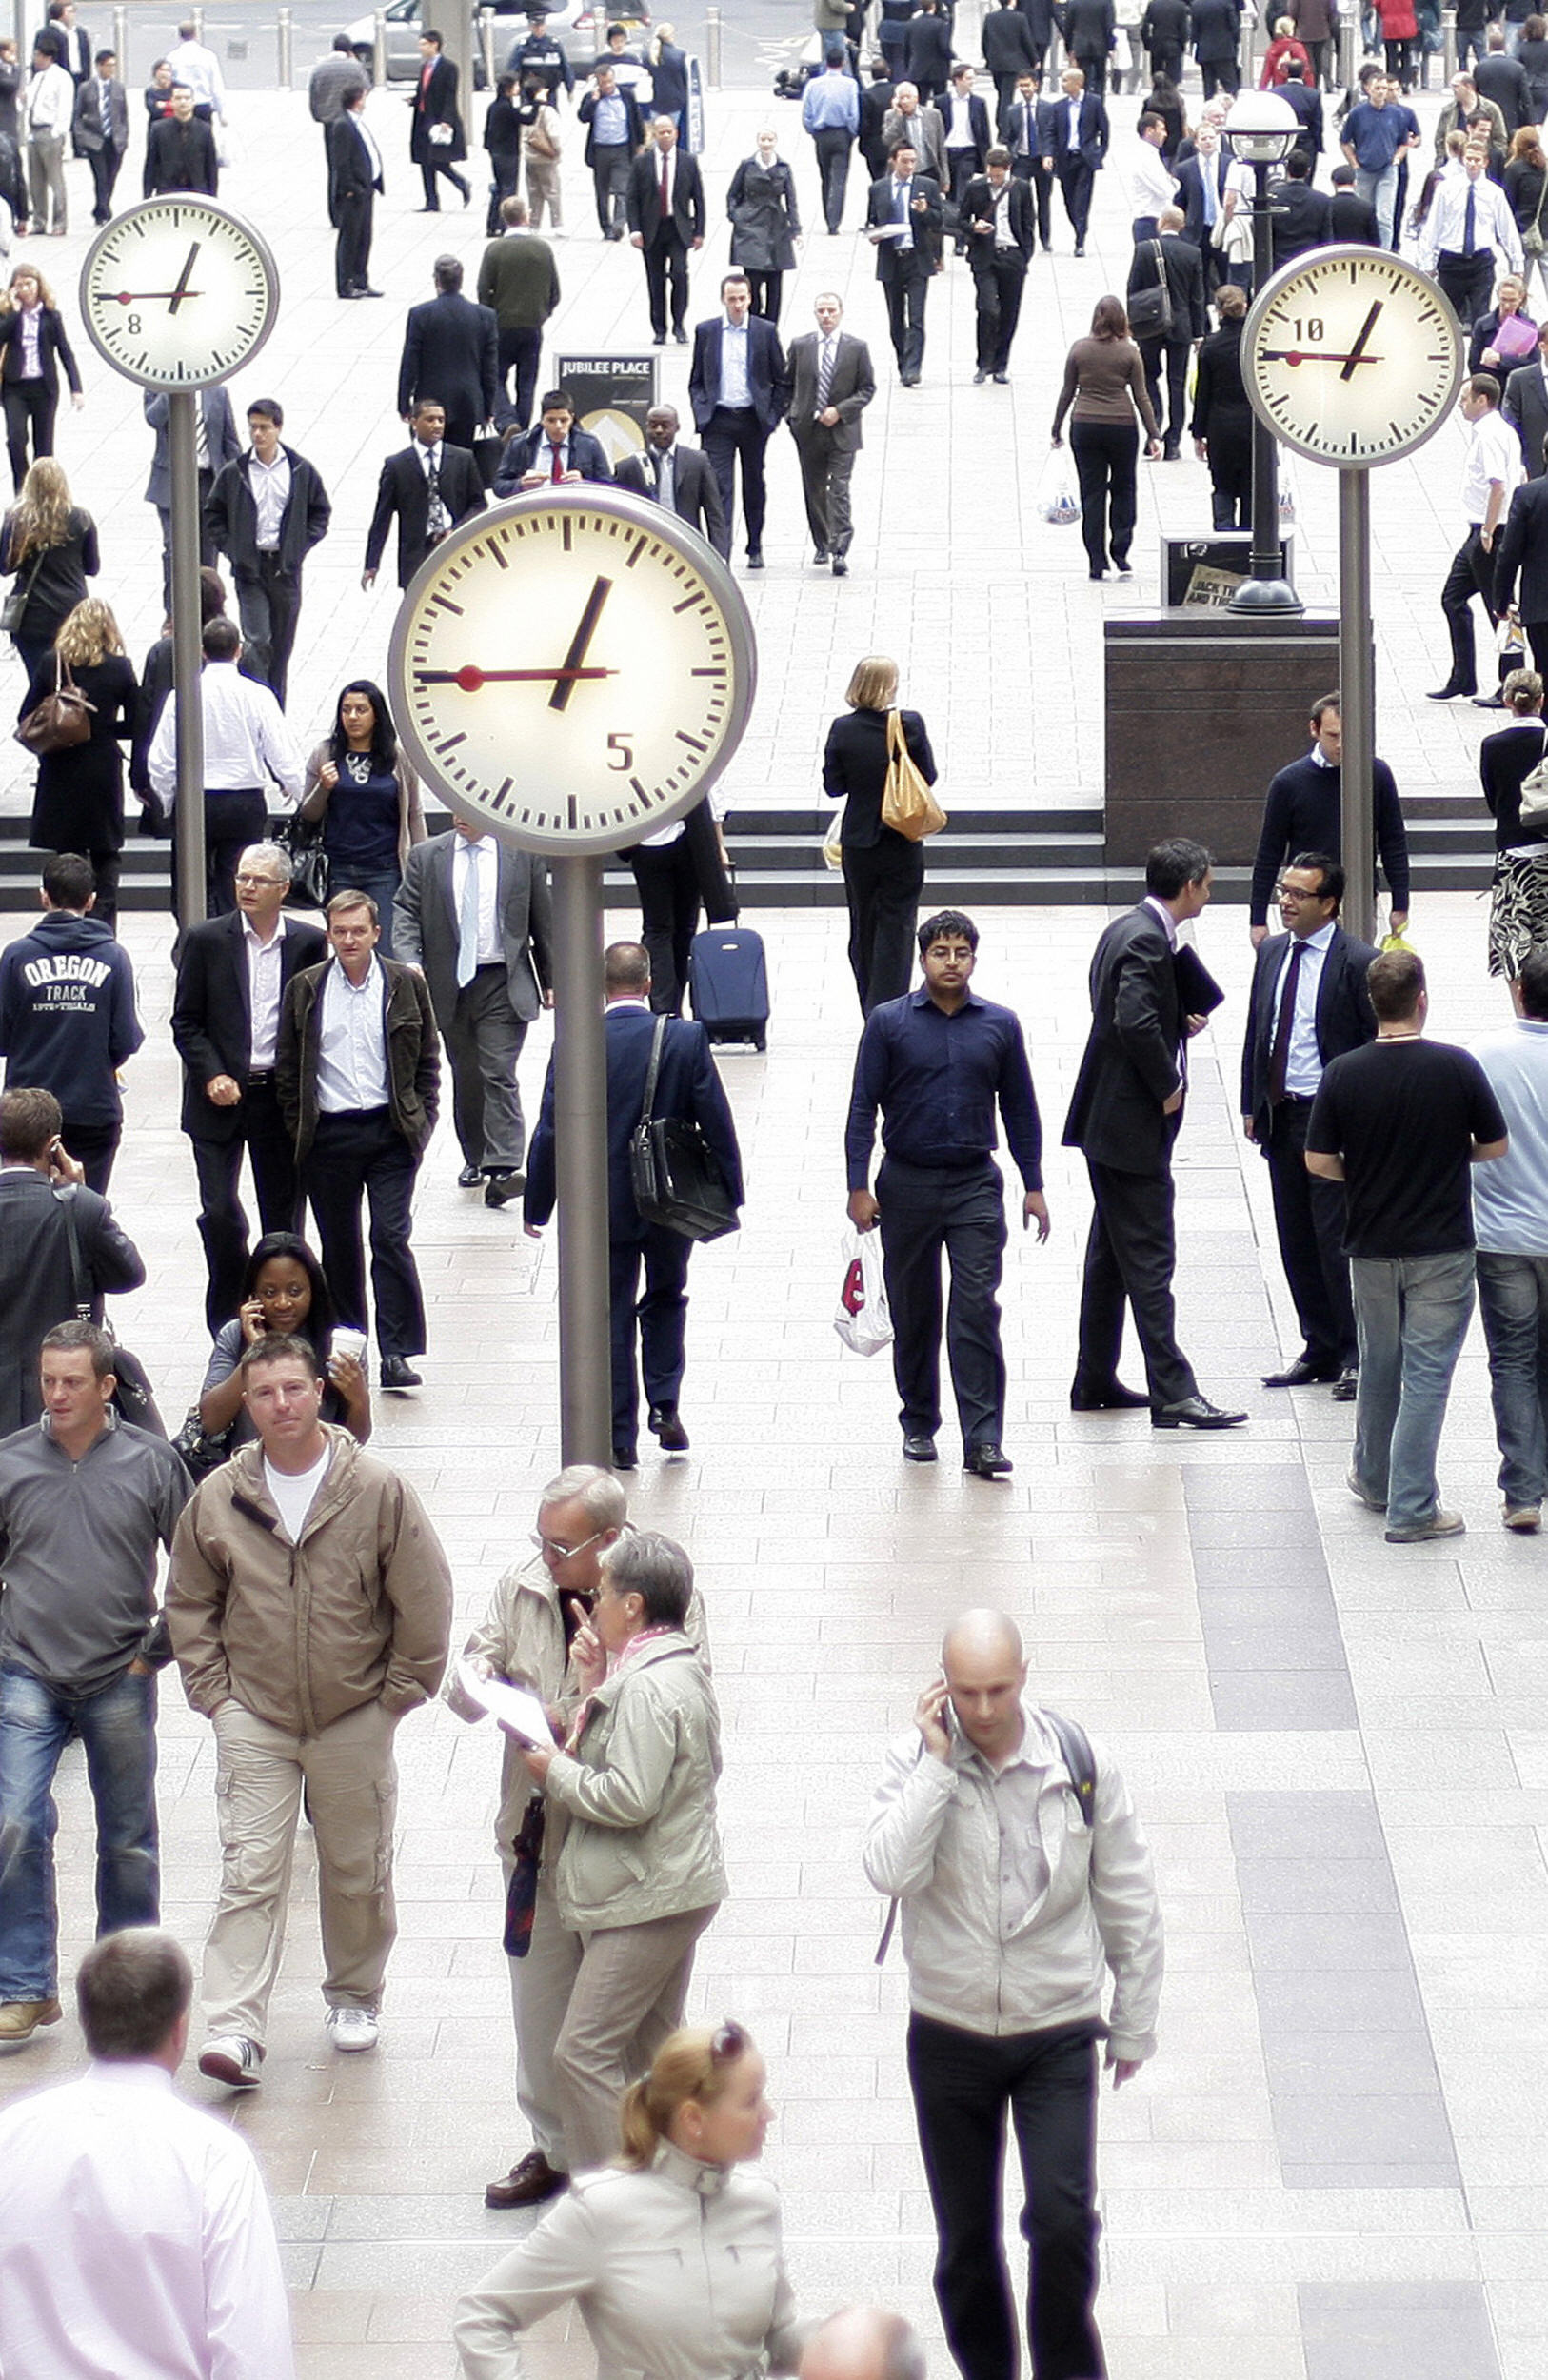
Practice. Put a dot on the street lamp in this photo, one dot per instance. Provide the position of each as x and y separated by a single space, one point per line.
1260 130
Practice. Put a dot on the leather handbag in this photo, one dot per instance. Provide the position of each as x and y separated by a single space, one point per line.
61 720
303 839
14 606
1150 310
908 806
672 1169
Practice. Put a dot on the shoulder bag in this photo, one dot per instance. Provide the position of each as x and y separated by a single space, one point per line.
908 806
1532 237
1534 799
303 839
133 1397
14 606
1150 310
61 720
672 1169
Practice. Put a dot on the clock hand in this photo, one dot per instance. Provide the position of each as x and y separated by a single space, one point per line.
183 290
470 679
559 699
1318 355
138 297
1359 347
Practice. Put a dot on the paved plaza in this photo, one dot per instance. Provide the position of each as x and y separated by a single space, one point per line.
1335 2167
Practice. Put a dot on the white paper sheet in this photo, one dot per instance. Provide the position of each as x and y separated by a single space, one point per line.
511 1705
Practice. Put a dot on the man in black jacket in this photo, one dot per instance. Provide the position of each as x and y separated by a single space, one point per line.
451 352
437 141
180 150
667 219
429 485
554 453
905 259
927 50
999 222
875 105
613 132
1309 1003
1216 37
1173 257
355 184
37 1285
1522 552
1089 26
265 513
1010 51
231 982
1126 1115
68 1020
1072 143
1301 814
739 388
1302 218
101 130
1525 407
677 475
1165 30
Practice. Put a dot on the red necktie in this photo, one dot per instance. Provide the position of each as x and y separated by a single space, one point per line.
558 471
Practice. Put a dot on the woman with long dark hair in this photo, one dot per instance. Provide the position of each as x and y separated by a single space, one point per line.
284 1292
1104 384
367 795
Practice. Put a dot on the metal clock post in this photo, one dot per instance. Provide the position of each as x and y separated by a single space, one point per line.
572 750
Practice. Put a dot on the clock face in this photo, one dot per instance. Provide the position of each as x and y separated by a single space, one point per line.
572 668
178 292
1351 356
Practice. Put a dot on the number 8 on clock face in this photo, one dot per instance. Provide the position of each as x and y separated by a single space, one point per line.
572 670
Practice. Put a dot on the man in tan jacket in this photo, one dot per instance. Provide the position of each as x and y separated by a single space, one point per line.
309 1604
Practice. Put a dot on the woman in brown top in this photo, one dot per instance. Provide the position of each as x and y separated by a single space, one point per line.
1104 379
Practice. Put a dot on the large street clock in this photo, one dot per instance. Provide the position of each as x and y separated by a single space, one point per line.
1351 356
178 292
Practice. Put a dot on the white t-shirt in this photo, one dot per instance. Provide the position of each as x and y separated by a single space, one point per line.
294 1492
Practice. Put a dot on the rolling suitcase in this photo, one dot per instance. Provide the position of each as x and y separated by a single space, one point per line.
728 984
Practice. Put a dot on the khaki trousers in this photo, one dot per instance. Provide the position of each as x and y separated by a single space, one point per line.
543 190
541 1985
351 1786
628 1995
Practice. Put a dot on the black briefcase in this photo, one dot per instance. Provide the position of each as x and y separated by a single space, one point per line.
672 1172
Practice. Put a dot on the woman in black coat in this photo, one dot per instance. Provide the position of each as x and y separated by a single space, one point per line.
33 346
79 801
52 546
503 139
766 224
884 872
1222 423
1164 100
669 78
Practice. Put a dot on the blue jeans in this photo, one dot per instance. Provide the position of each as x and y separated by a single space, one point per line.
1381 191
1412 1314
1513 1300
117 1725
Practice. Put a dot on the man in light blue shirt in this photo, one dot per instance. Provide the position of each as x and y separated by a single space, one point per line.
830 112
1510 1215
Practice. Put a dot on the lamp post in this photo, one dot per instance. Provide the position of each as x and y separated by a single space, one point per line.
1260 130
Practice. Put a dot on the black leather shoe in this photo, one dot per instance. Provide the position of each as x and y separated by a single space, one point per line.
528 2184
668 1430
397 1372
1449 694
1346 1387
987 1461
501 1188
1115 1397
979 379
821 556
1495 701
1196 1413
755 560
1302 1373
919 1448
841 568
470 1176
624 1458
1001 380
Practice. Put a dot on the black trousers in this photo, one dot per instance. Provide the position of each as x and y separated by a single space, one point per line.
1106 457
1467 281
1219 74
999 280
765 287
223 1223
963 2083
1400 62
1131 1255
1166 60
729 436
269 605
1472 573
504 182
610 178
30 405
361 1155
667 258
882 884
1093 65
352 243
1042 187
961 1211
437 162
518 351
233 820
907 287
668 887
1230 477
1309 1219
105 163
94 1146
833 147
1171 355
1076 182
961 164
661 1318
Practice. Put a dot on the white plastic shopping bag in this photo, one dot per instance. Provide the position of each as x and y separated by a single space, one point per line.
1059 490
862 1320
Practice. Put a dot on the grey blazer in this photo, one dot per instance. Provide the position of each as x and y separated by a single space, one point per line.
425 926
854 386
219 437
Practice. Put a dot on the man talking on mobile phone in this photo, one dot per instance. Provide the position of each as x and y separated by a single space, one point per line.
1013 1848
42 1190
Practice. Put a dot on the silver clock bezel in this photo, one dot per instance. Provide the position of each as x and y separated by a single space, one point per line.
196 205
1318 266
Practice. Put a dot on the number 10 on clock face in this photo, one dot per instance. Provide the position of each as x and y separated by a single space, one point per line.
573 671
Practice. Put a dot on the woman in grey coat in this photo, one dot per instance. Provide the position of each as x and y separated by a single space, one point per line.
766 223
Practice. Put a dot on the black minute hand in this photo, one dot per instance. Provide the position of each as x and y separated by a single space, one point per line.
1357 350
559 699
183 279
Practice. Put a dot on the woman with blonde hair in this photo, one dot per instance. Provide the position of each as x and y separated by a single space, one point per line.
34 344
668 77
884 872
78 805
49 545
766 222
674 2254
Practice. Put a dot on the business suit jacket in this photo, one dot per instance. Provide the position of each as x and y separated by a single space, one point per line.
978 125
219 437
977 206
1345 1018
1354 218
1091 129
54 349
696 496
1506 760
403 489
1087 27
86 126
851 390
1302 219
892 261
1525 408
927 50
1523 550
427 929
450 351
36 1284
688 194
436 103
1306 104
586 455
634 133
767 381
1184 269
232 517
928 134
212 1019
875 107
181 157
349 174
1008 46
1132 1062
1217 30
1190 196
687 1085
413 1054
1166 27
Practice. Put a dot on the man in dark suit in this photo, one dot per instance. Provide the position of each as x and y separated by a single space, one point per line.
667 219
437 141
1126 1115
1351 217
1165 29
232 975
679 476
1523 553
831 384
472 915
101 130
429 485
1200 193
1183 267
1072 140
556 453
180 151
613 132
966 121
1216 37
1000 223
355 184
268 546
451 351
927 50
1089 26
874 106
1023 140
739 388
904 218
1302 217
1502 79
687 1085
218 444
1010 51
1309 1003
1304 101
1525 407
37 1285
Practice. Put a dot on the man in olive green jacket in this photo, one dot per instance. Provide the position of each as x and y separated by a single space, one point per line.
519 280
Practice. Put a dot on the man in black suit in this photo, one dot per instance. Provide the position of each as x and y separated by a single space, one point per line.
1217 39
1200 193
429 485
1523 553
1175 258
1525 407
218 445
927 50
1165 30
1023 140
904 218
1309 1003
180 151
874 107
679 476
101 130
451 351
355 184
1126 1115
966 119
613 132
437 141
1351 217
739 388
556 453
1089 26
232 975
998 221
667 219
266 510
1010 51
1072 141
1304 101
831 384
687 1085
1302 217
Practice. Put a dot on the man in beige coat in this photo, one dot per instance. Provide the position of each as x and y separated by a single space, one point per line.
309 1604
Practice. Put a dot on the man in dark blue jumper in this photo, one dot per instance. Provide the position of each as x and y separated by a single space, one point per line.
68 1020
1302 813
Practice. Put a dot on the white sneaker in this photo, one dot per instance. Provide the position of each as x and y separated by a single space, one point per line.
233 2060
352 2027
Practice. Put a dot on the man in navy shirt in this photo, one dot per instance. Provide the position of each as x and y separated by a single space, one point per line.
1303 812
935 1063
1375 137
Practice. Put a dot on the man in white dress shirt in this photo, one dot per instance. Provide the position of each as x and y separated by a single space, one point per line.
1491 475
1151 187
48 110
195 64
136 2232
1470 236
247 743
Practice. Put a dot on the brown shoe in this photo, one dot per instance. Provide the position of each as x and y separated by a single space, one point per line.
20 2019
528 2184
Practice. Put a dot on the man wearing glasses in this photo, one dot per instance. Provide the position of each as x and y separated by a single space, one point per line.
527 1636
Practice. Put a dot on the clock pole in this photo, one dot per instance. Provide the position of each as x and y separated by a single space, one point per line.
585 1402
190 893
1357 694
